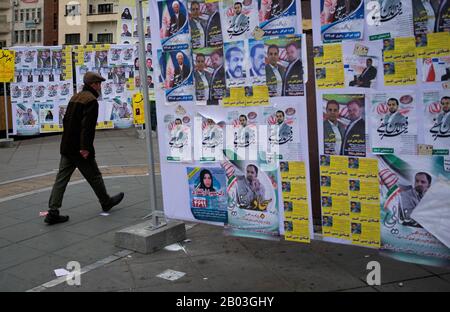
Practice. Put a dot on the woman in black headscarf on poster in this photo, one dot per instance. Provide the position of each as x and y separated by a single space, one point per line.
126 15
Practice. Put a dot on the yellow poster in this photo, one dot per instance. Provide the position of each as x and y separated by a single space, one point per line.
329 66
295 201
350 199
138 109
399 62
7 60
433 45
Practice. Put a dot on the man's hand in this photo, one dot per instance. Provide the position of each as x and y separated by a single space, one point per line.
84 154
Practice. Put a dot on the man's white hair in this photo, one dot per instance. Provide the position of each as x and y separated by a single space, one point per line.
175 2
179 53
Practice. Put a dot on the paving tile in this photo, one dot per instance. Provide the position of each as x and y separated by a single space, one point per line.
54 240
26 230
4 243
11 283
6 221
15 254
93 227
430 284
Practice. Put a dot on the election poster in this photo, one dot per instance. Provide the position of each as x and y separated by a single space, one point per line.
362 63
344 124
208 193
436 69
296 222
253 204
389 19
27 118
242 132
178 135
205 24
329 66
431 16
176 75
284 71
257 64
283 135
436 105
394 126
341 20
235 64
414 207
122 112
399 62
278 17
239 19
210 149
173 25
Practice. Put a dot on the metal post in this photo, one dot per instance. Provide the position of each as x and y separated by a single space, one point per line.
157 215
6 111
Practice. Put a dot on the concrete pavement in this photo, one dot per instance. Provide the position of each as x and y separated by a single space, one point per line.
30 251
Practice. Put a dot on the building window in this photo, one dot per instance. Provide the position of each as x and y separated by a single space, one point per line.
39 35
39 13
105 8
91 9
3 19
21 36
16 15
33 14
27 14
91 38
2 45
21 15
16 37
105 38
27 36
33 35
72 10
72 38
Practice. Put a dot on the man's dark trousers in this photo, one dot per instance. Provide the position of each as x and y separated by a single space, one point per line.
88 168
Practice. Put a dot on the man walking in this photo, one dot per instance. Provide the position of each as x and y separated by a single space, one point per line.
77 149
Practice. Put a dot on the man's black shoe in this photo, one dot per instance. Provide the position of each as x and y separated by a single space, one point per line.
53 217
113 201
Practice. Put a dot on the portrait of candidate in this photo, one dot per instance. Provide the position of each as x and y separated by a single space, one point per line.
202 77
177 18
197 26
213 25
126 14
177 135
182 70
356 228
239 22
44 59
394 118
388 44
325 181
125 31
326 201
327 221
284 166
443 118
250 191
277 7
357 127
206 182
234 58
257 56
217 84
333 130
318 51
355 207
336 10
421 41
411 196
431 15
324 160
353 163
442 17
284 130
274 72
389 69
321 73
294 71
368 74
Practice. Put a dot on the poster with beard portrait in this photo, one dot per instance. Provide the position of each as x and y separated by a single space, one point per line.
283 132
205 24
344 124
414 208
341 20
431 16
257 63
278 17
253 197
393 118
239 19
174 25
178 135
235 64
176 75
361 64
242 132
210 149
389 19
27 118
436 105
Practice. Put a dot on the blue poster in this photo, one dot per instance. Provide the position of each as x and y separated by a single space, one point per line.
174 26
208 193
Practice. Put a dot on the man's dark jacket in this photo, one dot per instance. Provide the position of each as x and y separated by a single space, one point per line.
79 123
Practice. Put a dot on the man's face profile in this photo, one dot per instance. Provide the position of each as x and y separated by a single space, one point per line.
445 103
393 106
251 173
216 60
354 111
292 53
332 112
235 63
273 56
421 184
